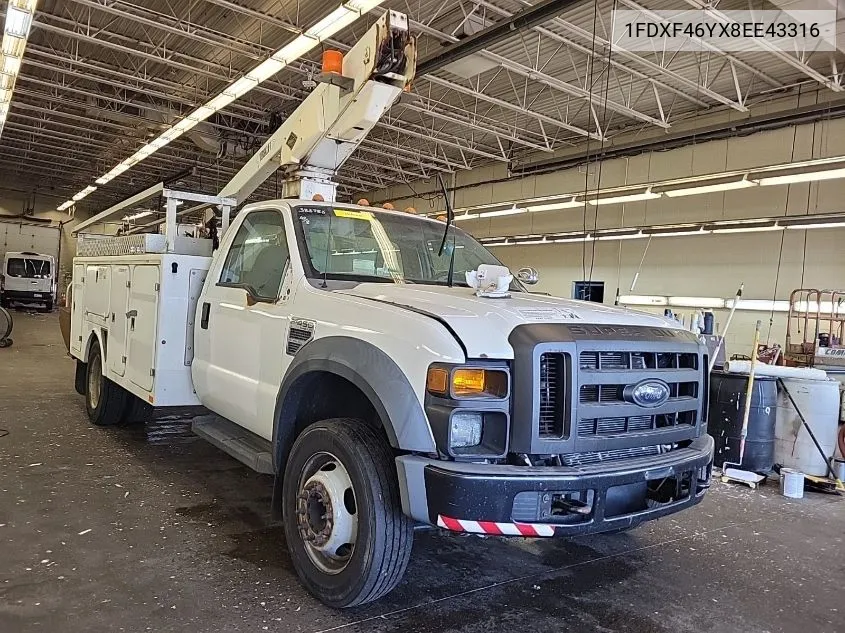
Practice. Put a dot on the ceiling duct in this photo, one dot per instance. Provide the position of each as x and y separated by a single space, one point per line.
149 120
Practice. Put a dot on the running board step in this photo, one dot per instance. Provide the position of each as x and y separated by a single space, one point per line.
243 445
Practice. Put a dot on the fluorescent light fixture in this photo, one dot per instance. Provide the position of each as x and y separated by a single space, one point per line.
240 87
746 229
180 127
817 225
363 6
643 300
200 114
622 198
703 188
14 46
295 49
65 206
5 95
502 243
562 238
466 216
11 65
676 231
18 21
494 214
338 19
710 303
89 189
136 216
554 206
758 305
265 70
604 236
809 176
341 17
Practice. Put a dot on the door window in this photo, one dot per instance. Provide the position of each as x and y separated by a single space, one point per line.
258 255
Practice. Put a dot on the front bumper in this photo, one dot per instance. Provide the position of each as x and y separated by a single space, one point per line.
540 501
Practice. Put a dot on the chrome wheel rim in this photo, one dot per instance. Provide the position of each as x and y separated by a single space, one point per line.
327 513
95 372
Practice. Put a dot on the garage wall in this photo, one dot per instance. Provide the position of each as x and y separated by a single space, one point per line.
13 202
705 266
710 265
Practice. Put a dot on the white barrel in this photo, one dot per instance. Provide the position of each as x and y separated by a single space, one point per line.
818 401
791 483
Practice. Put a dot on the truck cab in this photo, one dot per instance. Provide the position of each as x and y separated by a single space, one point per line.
27 278
339 349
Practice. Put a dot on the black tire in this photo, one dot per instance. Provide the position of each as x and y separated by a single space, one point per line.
80 378
137 411
106 404
48 306
384 535
5 342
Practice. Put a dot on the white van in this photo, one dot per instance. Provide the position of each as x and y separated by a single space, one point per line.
28 278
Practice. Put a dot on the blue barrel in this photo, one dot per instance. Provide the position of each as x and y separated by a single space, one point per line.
727 405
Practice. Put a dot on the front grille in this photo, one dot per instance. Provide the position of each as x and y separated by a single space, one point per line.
606 361
636 423
601 381
597 457
552 390
614 393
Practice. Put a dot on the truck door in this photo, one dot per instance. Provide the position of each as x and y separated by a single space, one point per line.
243 318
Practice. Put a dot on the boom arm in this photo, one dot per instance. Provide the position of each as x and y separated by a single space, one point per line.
321 134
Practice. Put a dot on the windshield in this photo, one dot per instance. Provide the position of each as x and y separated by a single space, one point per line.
392 247
28 268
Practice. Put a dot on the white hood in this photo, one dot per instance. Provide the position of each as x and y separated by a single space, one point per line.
484 325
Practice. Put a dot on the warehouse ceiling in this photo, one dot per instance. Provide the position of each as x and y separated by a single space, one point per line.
99 77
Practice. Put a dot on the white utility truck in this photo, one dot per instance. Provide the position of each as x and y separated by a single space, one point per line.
343 350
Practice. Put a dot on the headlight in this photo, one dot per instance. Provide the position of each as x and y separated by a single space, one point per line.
467 382
466 428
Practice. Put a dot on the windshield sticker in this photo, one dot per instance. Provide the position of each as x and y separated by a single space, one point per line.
311 210
355 215
544 314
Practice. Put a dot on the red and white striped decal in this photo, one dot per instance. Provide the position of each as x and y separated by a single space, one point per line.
497 529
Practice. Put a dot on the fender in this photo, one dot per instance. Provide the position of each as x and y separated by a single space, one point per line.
99 335
374 373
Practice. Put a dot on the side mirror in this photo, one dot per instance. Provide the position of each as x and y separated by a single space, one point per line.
529 276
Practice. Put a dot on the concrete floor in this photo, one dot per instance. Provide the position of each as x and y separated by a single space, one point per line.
148 528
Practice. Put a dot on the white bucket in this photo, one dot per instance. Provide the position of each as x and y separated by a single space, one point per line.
791 483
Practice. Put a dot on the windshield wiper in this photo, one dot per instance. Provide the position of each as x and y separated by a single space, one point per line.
450 217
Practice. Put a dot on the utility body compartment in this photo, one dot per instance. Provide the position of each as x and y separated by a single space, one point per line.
140 309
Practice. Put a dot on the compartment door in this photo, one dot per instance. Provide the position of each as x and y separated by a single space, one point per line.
77 308
142 321
97 290
119 321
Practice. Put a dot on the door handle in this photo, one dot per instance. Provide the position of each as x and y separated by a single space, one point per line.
206 309
131 313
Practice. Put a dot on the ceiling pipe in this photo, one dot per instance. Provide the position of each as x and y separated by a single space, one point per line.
731 129
502 30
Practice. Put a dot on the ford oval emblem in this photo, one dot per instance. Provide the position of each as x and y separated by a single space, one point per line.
648 393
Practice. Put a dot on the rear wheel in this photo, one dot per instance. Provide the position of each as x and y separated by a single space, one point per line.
106 401
48 306
348 539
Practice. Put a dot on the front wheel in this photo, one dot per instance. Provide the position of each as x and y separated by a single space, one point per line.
348 539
